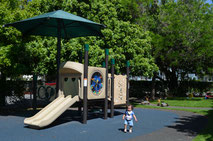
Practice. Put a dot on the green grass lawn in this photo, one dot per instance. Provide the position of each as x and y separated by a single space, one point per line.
199 111
207 133
184 102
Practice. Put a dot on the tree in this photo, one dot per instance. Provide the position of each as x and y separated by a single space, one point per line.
9 39
181 37
126 40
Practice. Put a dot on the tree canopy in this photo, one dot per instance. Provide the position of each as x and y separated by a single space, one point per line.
181 34
174 36
25 55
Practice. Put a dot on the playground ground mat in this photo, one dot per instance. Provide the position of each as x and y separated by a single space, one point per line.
152 125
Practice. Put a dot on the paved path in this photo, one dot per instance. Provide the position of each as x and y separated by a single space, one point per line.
160 125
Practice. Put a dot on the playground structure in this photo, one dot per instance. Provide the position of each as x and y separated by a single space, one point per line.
73 86
46 92
71 83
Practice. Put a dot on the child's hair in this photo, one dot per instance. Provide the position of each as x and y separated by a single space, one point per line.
128 106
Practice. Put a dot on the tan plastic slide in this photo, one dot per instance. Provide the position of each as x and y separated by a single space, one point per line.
51 112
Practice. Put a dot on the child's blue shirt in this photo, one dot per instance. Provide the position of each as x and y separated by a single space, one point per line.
129 115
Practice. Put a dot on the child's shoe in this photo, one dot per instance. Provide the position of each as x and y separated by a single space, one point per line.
125 130
130 130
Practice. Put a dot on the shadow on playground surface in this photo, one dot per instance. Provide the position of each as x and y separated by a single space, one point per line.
69 115
184 124
192 124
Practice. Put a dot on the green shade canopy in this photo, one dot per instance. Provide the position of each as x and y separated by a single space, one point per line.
58 24
47 24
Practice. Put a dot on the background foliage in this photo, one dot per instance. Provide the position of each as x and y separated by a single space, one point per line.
174 36
181 32
25 55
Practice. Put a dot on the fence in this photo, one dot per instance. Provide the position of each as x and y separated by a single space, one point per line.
138 89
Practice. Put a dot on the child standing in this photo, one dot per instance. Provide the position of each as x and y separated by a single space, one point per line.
128 118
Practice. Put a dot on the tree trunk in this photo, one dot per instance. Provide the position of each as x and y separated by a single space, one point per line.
153 87
173 83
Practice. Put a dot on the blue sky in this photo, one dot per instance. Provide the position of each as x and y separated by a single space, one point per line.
209 1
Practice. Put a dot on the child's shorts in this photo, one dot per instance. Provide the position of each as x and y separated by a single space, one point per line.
128 122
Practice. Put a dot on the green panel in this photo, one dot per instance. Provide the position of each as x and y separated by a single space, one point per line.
103 64
113 61
127 63
86 47
107 51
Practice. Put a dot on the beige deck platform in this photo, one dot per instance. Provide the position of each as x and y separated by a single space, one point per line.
51 112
